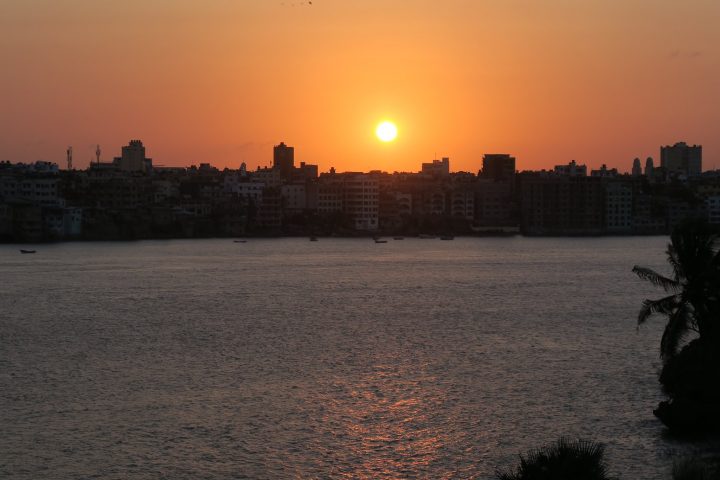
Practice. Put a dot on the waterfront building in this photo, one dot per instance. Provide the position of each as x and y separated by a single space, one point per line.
712 205
329 193
618 207
462 203
494 203
361 200
562 205
636 168
294 197
269 212
498 167
20 185
648 215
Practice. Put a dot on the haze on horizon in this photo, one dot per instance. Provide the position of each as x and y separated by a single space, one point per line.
599 81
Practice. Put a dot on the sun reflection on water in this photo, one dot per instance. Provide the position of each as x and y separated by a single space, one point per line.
387 425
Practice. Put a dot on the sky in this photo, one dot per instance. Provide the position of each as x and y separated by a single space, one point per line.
222 81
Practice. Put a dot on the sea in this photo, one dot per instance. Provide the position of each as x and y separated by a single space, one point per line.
342 358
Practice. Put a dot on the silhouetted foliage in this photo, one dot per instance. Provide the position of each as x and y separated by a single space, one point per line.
692 304
564 460
691 371
692 469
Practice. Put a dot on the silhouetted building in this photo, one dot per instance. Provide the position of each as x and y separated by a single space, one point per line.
712 205
649 168
305 172
133 158
619 206
604 172
494 203
438 168
572 169
284 160
562 205
498 167
682 158
636 168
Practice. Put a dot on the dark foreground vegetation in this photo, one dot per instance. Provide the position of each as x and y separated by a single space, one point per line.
584 460
690 345
564 460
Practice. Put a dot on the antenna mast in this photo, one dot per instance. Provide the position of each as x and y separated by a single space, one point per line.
97 154
69 158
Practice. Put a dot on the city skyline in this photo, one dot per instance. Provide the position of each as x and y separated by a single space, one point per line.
622 168
601 82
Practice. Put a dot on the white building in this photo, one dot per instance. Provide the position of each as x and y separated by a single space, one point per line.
361 200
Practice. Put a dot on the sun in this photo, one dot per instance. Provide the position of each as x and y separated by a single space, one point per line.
386 131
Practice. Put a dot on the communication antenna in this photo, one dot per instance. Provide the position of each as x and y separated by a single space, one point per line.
97 154
69 158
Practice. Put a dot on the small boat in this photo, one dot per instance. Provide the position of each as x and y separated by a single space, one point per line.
398 238
379 240
239 241
26 251
447 237
426 236
313 239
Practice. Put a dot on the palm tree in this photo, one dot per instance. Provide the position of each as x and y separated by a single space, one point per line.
564 460
693 303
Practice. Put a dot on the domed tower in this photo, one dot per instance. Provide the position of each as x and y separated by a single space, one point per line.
636 168
649 167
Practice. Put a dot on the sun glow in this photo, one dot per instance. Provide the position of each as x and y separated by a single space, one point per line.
386 131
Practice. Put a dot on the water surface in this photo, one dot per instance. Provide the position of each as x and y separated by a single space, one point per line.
342 358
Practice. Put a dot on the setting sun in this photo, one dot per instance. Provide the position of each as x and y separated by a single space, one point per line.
386 131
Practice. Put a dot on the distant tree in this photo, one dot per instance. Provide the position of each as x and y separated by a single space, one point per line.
564 460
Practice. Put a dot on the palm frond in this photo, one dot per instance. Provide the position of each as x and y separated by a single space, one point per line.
679 324
564 460
666 305
667 284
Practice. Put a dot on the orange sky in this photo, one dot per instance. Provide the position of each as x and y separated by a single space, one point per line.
221 81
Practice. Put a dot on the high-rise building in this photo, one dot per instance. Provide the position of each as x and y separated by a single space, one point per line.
636 168
284 160
681 158
498 167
